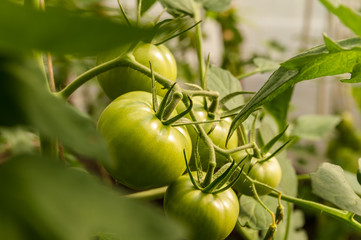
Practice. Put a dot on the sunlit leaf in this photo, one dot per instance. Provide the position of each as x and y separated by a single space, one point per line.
314 63
315 127
329 183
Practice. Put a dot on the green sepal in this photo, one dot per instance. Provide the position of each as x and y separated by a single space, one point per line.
194 182
266 148
180 115
163 103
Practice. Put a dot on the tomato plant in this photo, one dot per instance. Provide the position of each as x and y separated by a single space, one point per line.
141 148
145 152
206 215
125 79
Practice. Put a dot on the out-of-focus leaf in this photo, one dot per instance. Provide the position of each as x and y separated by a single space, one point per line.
215 5
60 31
315 127
178 7
147 4
314 63
356 93
27 96
349 17
278 107
225 83
42 199
329 183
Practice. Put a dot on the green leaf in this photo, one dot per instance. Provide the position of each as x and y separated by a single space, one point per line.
278 107
349 17
356 93
353 180
225 83
265 65
329 183
215 5
23 83
252 214
61 31
315 63
178 7
147 4
42 199
315 127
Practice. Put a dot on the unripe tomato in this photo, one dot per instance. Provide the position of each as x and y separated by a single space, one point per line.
207 216
268 172
145 152
120 80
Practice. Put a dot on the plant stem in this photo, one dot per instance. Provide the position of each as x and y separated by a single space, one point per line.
201 64
339 214
152 194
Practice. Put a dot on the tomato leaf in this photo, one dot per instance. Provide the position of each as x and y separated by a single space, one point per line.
225 83
178 7
85 35
215 5
329 182
43 199
349 17
146 5
278 107
356 93
23 82
315 127
325 60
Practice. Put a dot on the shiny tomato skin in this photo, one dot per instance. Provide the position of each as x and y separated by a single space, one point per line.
120 80
268 172
145 153
207 216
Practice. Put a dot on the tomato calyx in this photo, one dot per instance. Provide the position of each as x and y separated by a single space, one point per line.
168 104
220 183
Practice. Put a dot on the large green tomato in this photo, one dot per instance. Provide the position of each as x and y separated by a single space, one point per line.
120 80
268 172
145 152
207 216
218 135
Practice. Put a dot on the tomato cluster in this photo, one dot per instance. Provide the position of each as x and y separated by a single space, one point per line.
148 153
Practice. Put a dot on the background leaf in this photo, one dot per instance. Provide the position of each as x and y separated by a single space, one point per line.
216 5
85 35
178 7
349 17
315 127
278 107
42 199
329 183
225 83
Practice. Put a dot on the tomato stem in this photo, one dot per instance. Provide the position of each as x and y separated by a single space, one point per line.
201 64
175 99
124 14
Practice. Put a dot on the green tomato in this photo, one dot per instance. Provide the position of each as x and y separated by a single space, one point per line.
145 152
268 172
207 216
218 135
120 80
